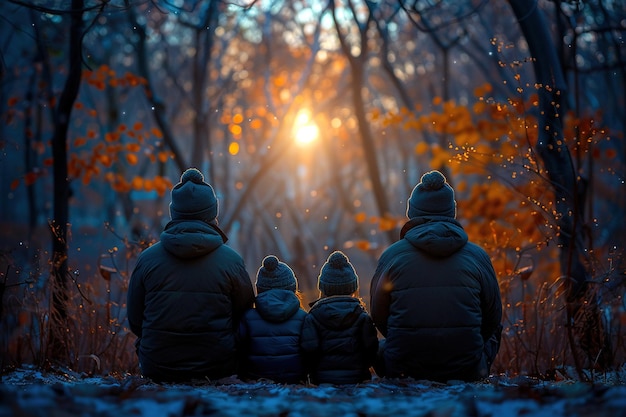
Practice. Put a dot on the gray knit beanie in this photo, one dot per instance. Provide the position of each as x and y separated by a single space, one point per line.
192 198
337 276
274 274
433 196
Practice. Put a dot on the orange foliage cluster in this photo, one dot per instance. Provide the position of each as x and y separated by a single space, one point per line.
93 153
238 121
105 75
87 163
121 184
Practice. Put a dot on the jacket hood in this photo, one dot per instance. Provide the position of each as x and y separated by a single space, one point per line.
437 236
337 312
277 305
191 238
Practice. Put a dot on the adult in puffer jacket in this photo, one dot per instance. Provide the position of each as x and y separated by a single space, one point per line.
434 295
270 332
339 338
188 292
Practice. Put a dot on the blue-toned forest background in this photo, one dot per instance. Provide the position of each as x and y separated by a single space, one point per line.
313 120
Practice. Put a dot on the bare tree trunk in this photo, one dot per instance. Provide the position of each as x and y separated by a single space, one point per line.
155 101
357 65
59 273
205 34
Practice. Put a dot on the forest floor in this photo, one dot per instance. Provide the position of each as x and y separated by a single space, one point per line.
28 391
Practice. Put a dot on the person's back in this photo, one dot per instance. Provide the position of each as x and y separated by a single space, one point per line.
435 296
270 332
188 292
339 337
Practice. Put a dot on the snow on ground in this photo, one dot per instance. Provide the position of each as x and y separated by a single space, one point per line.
30 392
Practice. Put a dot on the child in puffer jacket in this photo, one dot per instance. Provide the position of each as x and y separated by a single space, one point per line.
270 331
339 339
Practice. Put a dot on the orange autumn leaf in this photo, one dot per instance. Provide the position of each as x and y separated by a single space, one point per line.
78 142
14 184
138 126
479 107
362 244
12 101
161 184
386 224
99 85
225 118
113 149
111 136
30 178
157 132
131 158
611 153
48 162
148 185
105 160
133 147
122 127
163 156
235 130
237 118
137 183
421 148
360 217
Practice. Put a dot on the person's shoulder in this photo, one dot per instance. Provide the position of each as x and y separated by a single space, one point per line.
476 249
300 314
228 253
397 246
252 314
396 249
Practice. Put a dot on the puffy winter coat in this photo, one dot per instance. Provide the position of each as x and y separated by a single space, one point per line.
436 299
339 340
186 296
270 338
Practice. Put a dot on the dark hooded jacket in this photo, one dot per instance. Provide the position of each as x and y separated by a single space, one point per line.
436 299
186 296
270 338
339 340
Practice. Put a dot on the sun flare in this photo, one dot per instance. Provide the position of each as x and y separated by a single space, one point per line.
307 134
306 131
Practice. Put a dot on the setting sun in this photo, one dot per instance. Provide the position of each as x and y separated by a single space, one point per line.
306 131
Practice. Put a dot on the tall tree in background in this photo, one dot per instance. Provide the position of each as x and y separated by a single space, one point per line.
59 271
569 187
358 65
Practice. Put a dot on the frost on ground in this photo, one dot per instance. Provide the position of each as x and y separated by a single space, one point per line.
31 392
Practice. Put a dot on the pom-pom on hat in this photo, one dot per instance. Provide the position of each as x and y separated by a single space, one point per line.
433 196
274 274
192 198
337 276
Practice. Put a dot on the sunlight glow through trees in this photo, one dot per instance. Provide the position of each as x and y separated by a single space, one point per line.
305 131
